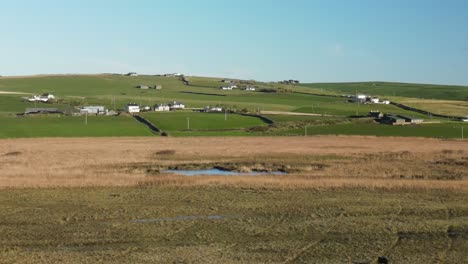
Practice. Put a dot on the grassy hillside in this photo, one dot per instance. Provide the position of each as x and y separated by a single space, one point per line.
426 91
101 89
113 91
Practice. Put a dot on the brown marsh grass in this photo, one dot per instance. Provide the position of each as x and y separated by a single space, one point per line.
314 162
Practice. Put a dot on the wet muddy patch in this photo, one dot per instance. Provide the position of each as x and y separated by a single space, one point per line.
220 172
179 218
227 168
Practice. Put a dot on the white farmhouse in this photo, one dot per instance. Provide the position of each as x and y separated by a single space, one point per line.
176 105
93 110
212 109
385 101
359 98
49 96
228 88
42 98
464 119
374 100
132 108
161 108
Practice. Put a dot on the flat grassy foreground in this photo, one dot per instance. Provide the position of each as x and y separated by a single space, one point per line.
344 200
232 225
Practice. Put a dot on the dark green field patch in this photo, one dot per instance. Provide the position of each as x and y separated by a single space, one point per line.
68 126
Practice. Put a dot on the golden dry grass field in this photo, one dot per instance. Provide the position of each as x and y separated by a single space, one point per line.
312 161
344 200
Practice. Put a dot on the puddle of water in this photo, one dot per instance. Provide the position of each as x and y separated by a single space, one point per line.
179 218
221 172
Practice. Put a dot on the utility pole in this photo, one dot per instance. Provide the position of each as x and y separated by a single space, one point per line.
113 101
225 114
188 123
86 118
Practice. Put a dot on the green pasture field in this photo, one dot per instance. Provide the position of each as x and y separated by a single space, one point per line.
114 91
68 126
426 91
177 121
438 130
232 225
103 89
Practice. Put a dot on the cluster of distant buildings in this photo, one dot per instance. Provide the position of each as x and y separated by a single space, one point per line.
146 87
289 82
133 108
231 85
366 99
45 98
396 120
134 74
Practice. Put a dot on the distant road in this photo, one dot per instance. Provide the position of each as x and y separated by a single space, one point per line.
4 92
290 113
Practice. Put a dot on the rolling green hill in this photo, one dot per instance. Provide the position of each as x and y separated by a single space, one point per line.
424 91
113 91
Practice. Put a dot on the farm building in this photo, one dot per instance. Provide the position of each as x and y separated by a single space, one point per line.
209 109
173 74
376 114
143 87
374 100
94 110
30 111
42 98
359 98
250 88
145 108
230 87
393 120
412 120
176 105
161 108
132 108
132 74
464 119
385 101
49 96
158 87
400 120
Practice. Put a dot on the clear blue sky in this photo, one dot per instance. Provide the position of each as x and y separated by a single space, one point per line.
423 41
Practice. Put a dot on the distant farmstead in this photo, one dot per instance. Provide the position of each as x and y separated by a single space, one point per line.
176 105
132 108
400 120
31 111
132 74
93 110
161 108
42 98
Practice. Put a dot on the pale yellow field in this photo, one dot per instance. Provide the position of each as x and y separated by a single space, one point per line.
444 107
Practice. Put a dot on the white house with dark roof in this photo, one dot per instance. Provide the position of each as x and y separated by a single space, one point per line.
176 105
132 108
